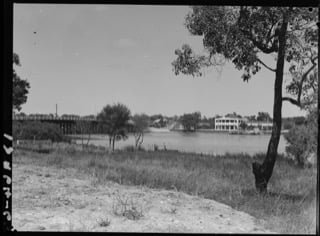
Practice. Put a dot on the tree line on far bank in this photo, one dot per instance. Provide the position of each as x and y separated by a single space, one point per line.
116 122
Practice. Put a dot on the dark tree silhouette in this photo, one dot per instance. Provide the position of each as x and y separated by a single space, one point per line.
190 121
114 122
141 123
20 87
263 116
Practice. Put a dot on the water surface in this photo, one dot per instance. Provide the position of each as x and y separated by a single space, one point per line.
199 142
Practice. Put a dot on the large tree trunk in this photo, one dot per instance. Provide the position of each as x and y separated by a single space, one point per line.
263 172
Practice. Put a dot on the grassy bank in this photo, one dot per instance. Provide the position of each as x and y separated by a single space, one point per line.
288 208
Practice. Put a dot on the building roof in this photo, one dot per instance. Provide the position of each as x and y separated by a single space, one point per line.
225 118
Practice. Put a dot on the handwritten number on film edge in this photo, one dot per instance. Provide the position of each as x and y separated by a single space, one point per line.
7 189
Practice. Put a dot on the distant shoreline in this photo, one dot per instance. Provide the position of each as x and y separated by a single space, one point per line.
165 130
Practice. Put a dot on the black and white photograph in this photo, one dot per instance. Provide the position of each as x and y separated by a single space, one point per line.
164 118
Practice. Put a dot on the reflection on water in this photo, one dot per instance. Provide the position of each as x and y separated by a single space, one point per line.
199 142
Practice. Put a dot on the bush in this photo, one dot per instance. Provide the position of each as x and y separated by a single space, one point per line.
38 131
302 139
298 142
129 148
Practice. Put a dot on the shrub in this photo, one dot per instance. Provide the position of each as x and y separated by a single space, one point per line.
129 148
38 130
155 147
302 139
104 222
129 209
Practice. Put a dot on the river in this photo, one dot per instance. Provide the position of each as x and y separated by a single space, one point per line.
199 142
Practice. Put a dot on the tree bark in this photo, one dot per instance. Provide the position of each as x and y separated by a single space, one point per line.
137 137
113 140
263 172
89 137
110 142
141 140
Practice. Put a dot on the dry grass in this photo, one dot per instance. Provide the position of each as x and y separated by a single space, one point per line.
287 208
123 206
104 222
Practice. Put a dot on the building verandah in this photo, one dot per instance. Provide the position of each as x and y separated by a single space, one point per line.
227 124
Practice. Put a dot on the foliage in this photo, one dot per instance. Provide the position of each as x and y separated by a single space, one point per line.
190 121
132 148
158 121
241 35
211 122
233 115
286 125
289 122
302 56
252 118
84 128
114 121
187 62
20 87
104 222
141 123
310 102
243 125
155 117
303 138
263 116
38 131
123 206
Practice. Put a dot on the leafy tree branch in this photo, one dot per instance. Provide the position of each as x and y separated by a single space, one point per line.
239 34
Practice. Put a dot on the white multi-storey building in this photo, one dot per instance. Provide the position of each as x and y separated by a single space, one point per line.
233 124
227 123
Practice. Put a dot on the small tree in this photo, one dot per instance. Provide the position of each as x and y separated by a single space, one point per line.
114 122
243 125
190 121
303 136
141 123
263 117
302 139
20 87
85 128
252 118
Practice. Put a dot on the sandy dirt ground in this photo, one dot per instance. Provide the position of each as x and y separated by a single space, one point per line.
52 199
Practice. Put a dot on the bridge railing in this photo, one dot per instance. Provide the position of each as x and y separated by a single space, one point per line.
52 118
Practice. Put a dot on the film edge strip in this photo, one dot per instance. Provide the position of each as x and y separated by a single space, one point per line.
7 183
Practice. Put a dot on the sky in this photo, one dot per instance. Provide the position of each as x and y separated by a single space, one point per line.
83 57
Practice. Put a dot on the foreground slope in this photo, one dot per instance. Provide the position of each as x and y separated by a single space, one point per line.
53 199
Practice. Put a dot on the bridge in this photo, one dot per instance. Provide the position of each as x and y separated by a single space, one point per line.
67 123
